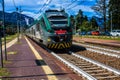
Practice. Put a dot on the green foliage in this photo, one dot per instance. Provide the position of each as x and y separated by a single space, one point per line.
79 18
93 24
101 9
82 23
114 9
4 72
102 37
10 37
85 26
72 20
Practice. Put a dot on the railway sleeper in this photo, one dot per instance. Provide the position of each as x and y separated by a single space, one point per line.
88 66
80 63
93 68
85 64
108 77
95 71
106 73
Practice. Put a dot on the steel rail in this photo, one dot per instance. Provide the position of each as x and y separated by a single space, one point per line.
97 63
105 53
77 69
102 52
116 51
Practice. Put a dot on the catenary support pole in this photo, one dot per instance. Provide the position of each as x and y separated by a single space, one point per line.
1 54
4 30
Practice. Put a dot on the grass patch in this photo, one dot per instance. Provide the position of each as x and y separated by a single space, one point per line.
12 52
9 38
18 42
6 62
101 37
4 72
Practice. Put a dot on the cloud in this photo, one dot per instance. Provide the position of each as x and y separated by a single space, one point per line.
41 2
31 7
29 13
84 8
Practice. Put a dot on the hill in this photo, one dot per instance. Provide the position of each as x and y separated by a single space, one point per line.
11 18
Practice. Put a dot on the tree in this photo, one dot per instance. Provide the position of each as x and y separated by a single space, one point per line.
72 20
79 19
114 12
85 18
85 26
101 9
93 24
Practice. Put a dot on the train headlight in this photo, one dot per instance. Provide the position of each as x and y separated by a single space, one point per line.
48 39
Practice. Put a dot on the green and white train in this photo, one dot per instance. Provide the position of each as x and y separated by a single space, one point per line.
53 29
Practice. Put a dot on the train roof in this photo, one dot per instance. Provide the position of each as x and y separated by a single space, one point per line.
49 13
54 11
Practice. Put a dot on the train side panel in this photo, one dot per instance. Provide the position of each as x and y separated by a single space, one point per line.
53 30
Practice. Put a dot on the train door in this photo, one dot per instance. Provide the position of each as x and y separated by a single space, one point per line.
33 32
38 35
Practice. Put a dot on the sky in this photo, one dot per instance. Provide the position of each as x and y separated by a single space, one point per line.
34 8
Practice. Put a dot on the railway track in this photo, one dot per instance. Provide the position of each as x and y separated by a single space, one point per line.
90 69
107 59
105 51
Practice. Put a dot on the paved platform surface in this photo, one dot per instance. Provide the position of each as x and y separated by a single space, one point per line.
33 63
113 43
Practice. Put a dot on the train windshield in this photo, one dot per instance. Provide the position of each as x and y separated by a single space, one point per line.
57 17
58 20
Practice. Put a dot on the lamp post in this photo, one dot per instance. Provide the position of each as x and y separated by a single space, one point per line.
1 54
4 29
17 25
111 21
20 21
111 18
75 24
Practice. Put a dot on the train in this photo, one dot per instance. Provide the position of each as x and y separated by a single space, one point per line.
53 29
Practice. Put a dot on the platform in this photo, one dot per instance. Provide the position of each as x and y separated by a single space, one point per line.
112 43
28 61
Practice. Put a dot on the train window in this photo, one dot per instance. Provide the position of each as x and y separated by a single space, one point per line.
34 31
59 22
31 31
57 17
43 23
37 26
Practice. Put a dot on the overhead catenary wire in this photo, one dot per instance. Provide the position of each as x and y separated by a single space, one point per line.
69 6
74 5
71 3
47 4
14 4
40 9
43 7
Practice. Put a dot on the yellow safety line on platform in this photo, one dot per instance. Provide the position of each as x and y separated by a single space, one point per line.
46 68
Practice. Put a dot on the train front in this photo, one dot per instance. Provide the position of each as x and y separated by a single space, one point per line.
61 38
